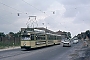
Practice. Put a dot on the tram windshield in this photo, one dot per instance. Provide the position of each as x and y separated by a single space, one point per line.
25 37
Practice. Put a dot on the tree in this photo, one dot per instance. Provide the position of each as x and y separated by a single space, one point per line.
11 33
2 34
88 33
79 36
69 34
17 34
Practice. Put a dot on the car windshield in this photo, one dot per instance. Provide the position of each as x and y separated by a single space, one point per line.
66 40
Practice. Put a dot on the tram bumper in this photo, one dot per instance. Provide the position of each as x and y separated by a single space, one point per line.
25 47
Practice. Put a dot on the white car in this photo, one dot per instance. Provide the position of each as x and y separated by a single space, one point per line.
75 41
66 43
62 41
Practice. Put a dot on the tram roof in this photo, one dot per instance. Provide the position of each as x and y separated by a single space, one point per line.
53 34
39 31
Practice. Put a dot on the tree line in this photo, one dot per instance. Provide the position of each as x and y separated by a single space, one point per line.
84 35
10 34
10 39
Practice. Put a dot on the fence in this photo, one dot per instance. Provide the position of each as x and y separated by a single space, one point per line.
12 41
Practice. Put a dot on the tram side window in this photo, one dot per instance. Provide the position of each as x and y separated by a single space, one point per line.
58 37
40 37
54 37
32 36
48 37
51 37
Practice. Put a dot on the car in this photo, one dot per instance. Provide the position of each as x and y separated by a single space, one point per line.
62 41
67 43
75 41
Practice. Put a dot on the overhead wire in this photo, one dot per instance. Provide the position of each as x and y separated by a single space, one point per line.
38 9
18 11
53 12
9 6
18 14
21 11
33 6
29 17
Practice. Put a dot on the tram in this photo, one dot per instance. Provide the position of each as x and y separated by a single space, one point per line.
30 38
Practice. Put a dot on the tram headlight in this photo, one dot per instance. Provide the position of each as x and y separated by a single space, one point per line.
24 44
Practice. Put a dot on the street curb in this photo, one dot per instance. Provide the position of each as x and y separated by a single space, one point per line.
9 48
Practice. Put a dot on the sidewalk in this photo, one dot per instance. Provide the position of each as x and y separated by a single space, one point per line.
83 53
10 48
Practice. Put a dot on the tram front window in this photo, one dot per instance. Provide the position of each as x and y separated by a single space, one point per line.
25 37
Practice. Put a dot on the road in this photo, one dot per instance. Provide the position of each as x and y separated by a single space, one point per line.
57 52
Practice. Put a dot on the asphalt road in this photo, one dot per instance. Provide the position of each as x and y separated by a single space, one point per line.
57 52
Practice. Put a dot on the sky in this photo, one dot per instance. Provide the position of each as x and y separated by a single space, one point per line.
64 15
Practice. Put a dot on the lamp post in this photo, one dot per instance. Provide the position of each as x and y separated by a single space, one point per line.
13 41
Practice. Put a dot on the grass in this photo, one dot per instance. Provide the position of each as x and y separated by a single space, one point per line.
4 45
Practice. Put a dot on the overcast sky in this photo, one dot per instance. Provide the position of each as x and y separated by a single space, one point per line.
65 15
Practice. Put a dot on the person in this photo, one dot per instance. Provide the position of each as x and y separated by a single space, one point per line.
85 44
